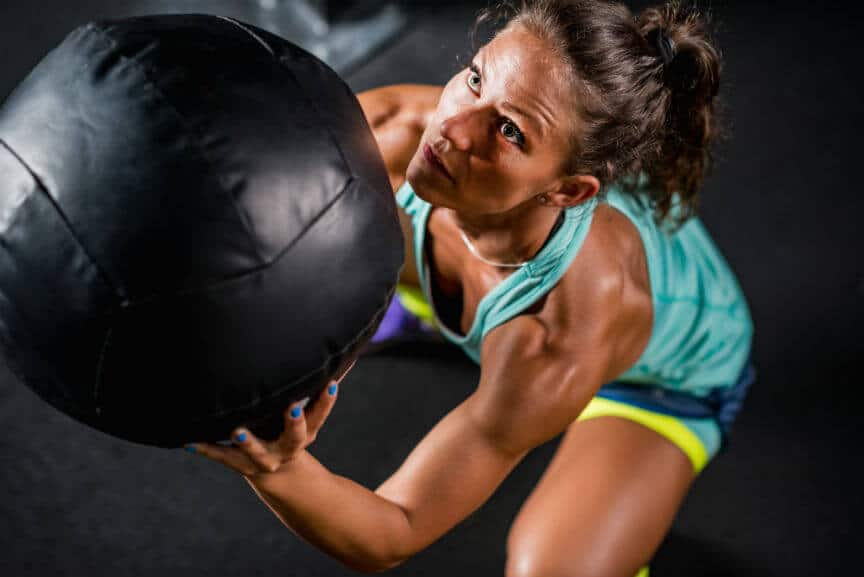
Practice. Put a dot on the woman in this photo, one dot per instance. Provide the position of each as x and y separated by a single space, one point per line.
547 196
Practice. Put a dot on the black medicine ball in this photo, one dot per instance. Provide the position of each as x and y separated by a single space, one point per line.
196 228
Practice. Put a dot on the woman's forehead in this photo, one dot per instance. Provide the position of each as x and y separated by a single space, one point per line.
527 72
516 42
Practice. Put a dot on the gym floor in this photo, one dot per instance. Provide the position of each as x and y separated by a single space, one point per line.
781 204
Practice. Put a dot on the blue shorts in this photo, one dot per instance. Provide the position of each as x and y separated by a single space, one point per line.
699 426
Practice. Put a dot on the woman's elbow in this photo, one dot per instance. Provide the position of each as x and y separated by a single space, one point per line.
391 543
378 564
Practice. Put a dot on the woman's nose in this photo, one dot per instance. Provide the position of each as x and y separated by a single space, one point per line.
464 129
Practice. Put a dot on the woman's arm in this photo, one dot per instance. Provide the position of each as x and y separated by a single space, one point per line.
530 390
448 475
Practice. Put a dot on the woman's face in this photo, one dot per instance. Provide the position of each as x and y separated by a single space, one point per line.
501 130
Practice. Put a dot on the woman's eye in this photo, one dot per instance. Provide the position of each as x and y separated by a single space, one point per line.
474 80
508 129
512 133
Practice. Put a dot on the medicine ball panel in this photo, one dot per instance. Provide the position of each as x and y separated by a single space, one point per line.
41 309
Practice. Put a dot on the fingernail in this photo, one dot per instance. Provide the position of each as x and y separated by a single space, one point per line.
241 437
189 448
332 390
295 412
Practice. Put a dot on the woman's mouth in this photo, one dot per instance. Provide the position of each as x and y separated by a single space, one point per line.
436 163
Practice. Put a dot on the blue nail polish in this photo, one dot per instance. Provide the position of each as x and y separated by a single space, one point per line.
295 412
332 390
241 437
190 448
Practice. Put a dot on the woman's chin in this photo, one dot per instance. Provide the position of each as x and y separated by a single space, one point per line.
423 185
430 194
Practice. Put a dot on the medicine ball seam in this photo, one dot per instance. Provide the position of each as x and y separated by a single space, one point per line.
274 393
196 139
129 304
6 348
70 229
252 34
278 391
315 220
312 103
99 365
346 166
333 141
376 318
30 172
194 136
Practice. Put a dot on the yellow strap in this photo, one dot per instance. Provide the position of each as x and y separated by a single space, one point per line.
414 301
666 425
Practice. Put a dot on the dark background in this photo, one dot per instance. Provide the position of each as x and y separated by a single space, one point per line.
783 205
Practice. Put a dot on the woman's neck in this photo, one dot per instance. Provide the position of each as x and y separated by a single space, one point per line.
511 238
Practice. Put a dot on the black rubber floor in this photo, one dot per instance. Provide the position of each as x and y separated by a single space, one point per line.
783 205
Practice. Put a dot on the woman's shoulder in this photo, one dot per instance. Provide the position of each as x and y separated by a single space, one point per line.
604 298
398 116
404 104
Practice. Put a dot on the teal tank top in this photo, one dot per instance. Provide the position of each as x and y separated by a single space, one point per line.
701 335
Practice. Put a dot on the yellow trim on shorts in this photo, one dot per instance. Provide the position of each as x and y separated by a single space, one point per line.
414 301
666 425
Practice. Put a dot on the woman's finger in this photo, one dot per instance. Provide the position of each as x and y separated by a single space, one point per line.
320 410
257 451
300 429
293 436
229 456
324 404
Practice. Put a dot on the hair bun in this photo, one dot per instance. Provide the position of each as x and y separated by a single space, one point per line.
659 38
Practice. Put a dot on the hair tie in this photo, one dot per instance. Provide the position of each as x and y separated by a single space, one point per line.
664 45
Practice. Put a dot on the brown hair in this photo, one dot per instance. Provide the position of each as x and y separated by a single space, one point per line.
647 109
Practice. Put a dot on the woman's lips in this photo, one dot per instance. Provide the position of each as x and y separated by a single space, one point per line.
433 159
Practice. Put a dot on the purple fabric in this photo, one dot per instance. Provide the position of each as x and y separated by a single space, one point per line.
397 322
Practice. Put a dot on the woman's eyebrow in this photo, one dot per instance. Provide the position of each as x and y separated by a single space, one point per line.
539 127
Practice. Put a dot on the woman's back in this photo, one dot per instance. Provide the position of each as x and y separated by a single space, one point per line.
702 327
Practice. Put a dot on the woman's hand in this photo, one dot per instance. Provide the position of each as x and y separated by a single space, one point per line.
251 456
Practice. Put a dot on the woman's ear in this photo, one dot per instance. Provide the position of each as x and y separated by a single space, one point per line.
573 190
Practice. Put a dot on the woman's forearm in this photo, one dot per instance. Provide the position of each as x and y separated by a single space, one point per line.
344 519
